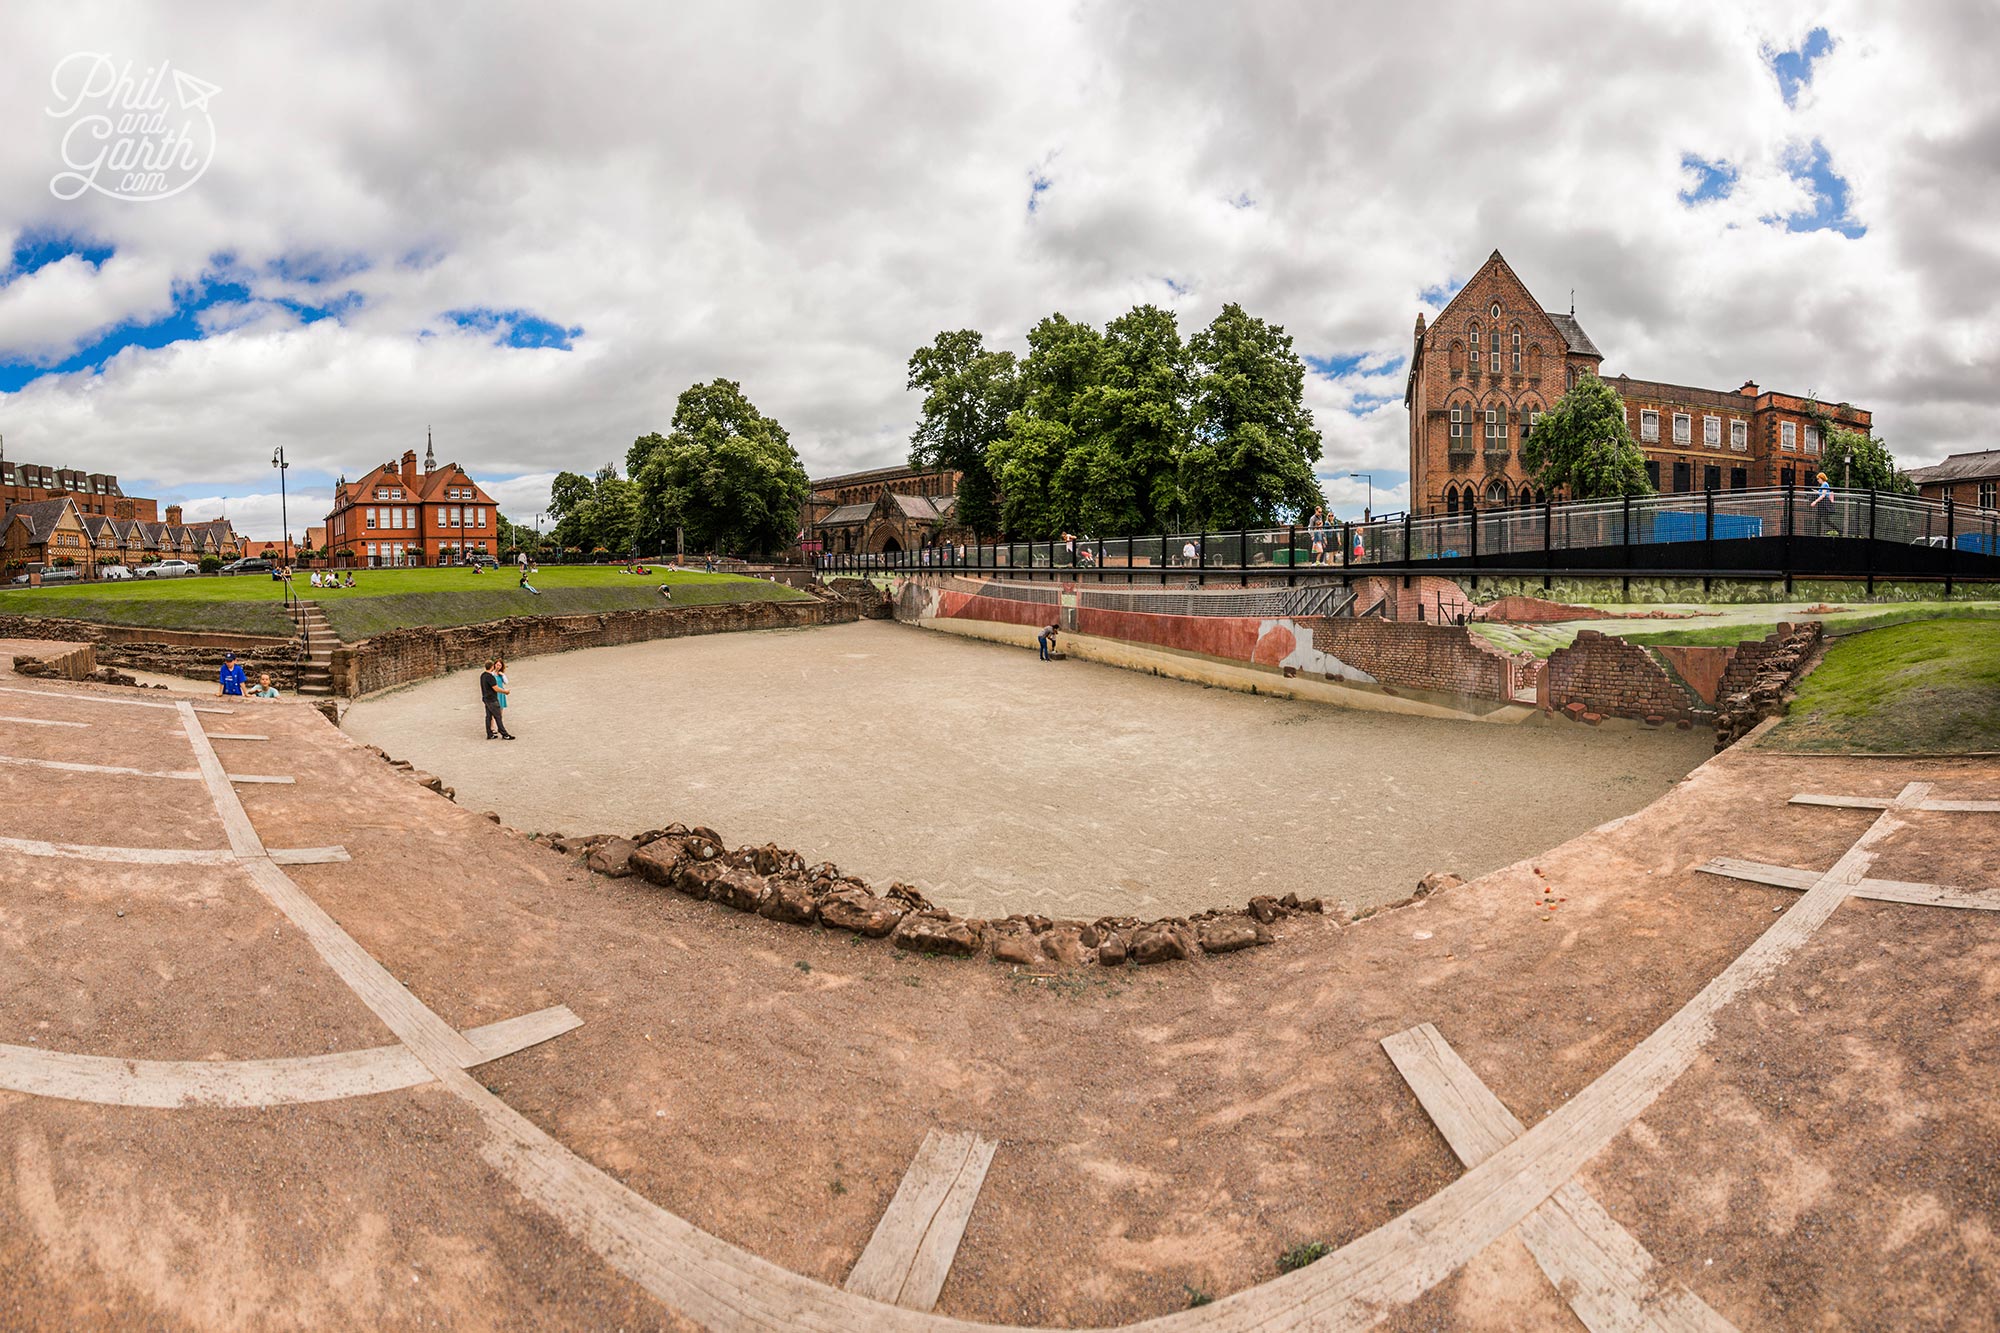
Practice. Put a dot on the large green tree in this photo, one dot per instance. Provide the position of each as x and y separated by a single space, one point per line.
969 391
595 512
1583 444
724 473
1855 458
1065 363
1124 473
1250 460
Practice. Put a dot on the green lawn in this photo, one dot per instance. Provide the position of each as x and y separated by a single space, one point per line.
1931 687
385 598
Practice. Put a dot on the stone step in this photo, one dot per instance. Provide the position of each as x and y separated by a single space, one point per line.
315 690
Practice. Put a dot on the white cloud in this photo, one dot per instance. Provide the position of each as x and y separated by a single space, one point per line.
797 198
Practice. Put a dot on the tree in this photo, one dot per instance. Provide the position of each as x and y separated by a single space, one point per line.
724 473
1123 474
1582 443
1065 361
968 394
1250 461
1853 458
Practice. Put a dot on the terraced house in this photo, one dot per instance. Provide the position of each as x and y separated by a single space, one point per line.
1483 372
396 515
60 533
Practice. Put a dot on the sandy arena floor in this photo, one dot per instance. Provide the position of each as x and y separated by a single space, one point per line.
997 783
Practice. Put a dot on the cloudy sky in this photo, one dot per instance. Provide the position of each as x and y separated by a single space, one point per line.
528 227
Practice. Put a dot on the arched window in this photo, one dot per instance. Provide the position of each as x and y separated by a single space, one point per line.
1527 496
1473 339
1496 494
1517 349
1451 499
1495 311
1457 356
1534 361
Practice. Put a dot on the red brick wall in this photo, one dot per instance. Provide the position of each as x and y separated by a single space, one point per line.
1427 597
1445 659
1614 678
406 655
1701 666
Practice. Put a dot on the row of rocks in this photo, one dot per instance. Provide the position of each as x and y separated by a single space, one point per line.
777 884
428 781
1759 681
104 675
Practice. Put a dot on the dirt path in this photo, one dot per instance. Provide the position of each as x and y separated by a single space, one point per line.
998 784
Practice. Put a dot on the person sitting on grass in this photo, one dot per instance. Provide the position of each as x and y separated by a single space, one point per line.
315 578
667 591
265 689
529 586
349 581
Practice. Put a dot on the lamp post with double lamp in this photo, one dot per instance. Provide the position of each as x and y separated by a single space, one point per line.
284 516
1369 477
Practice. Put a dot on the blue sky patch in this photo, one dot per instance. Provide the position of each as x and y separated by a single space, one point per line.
1038 185
1794 69
34 252
1242 200
1812 167
182 324
314 269
1713 180
515 328
1439 296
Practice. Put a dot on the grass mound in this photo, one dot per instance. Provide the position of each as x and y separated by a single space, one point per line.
359 617
385 599
1931 687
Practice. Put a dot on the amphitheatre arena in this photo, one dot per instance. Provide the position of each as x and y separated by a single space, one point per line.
290 1040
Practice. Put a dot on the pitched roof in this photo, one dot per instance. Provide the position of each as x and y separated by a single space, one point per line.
1960 467
40 516
849 514
1573 334
915 506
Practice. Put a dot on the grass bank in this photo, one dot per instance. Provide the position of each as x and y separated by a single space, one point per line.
385 599
1929 687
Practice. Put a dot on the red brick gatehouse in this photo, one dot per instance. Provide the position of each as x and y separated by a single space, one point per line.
395 515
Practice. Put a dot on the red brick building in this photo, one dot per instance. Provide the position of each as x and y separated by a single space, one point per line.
1968 480
396 515
883 509
93 492
1493 361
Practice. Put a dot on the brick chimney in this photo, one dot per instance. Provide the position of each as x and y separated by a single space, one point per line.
1749 389
410 469
174 515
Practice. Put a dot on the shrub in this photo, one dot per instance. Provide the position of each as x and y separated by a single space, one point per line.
1300 1255
210 564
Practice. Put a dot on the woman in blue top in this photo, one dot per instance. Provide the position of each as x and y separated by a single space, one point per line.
1823 506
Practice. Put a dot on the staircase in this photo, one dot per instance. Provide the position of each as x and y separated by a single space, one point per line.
316 642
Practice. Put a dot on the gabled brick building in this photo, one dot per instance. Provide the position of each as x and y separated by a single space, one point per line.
884 509
94 492
395 515
1494 360
1971 480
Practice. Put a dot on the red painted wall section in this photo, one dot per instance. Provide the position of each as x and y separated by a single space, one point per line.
1231 637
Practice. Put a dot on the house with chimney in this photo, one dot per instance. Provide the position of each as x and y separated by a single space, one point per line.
397 515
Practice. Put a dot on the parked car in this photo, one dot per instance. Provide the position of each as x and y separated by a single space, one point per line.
114 572
61 576
249 564
168 569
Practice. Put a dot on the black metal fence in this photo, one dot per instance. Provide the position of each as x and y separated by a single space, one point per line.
1771 532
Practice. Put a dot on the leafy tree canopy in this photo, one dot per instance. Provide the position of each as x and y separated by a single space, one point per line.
968 394
1251 459
724 473
1583 444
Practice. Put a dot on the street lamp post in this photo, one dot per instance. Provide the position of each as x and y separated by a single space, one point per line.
284 515
1369 477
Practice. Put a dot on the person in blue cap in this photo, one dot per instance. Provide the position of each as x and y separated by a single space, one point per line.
232 674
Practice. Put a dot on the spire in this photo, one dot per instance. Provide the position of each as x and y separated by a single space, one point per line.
1572 303
430 457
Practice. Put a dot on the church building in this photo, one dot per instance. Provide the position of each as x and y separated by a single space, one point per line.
1483 372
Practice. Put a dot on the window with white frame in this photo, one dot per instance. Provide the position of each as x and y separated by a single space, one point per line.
1649 426
1683 428
1739 436
1457 422
1986 494
1495 310
1812 439
1711 432
1788 436
371 518
381 492
1475 347
1517 351
1495 428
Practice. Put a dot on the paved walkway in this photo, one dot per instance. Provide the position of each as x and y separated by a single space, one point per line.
1782 1098
998 783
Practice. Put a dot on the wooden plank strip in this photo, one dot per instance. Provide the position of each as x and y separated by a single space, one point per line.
84 696
39 721
434 1040
885 1261
1842 802
1973 807
932 1262
1883 890
142 856
309 856
236 736
114 770
258 777
113 1081
1607 1277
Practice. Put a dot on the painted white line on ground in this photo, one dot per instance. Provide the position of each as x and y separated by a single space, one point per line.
1883 890
112 1081
39 721
162 856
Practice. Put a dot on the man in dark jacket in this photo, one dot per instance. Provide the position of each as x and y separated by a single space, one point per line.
489 697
